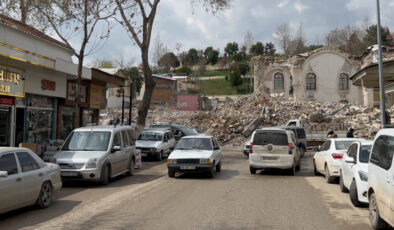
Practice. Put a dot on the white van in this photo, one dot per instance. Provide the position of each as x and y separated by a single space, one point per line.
381 180
274 148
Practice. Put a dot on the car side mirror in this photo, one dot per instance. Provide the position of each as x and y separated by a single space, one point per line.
350 160
115 149
216 148
3 174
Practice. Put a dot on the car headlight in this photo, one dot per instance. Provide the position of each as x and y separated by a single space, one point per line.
171 161
205 161
92 163
363 176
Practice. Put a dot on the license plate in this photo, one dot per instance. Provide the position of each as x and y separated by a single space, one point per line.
188 167
69 174
144 154
270 158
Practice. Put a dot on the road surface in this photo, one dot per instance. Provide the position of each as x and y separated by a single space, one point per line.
233 199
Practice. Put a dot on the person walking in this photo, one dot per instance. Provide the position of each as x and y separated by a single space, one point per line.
350 134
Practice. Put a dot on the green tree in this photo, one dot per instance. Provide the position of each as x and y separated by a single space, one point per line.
134 74
231 49
168 60
257 49
211 55
191 57
243 68
370 37
184 70
235 78
269 48
314 47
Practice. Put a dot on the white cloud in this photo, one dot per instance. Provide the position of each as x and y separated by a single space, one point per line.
300 7
283 4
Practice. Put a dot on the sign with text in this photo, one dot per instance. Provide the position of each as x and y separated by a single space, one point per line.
97 97
6 101
11 83
48 85
71 92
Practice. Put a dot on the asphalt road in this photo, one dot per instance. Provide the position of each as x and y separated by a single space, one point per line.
233 199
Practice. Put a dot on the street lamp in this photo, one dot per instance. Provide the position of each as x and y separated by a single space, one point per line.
120 93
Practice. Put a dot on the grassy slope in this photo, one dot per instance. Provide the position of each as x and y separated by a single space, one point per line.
222 87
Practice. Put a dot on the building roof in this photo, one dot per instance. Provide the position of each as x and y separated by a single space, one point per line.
113 71
29 30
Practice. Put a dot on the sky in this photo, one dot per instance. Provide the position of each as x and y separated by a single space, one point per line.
177 21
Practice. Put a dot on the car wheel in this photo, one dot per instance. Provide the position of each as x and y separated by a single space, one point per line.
159 156
252 170
353 194
292 170
302 152
219 166
329 179
105 175
45 196
314 168
341 185
131 168
211 171
374 217
171 173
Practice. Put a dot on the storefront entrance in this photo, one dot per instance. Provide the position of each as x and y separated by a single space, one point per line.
5 125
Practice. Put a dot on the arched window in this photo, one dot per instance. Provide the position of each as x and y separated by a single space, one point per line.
311 81
343 81
279 82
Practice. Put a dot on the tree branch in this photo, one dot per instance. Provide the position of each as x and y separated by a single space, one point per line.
127 22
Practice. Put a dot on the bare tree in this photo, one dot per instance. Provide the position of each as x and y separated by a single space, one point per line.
298 44
283 37
159 49
348 39
122 63
248 41
138 17
79 20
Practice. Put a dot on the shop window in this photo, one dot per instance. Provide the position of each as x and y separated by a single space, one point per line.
87 117
311 81
67 121
279 83
343 81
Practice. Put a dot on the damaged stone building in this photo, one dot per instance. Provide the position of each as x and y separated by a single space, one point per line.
323 75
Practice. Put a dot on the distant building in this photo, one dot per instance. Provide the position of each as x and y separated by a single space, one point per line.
165 91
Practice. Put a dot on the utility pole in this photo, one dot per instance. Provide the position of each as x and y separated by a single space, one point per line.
381 80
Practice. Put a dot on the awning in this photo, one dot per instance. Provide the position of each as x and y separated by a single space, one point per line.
369 76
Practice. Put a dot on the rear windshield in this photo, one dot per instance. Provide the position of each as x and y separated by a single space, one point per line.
150 136
364 153
274 138
342 145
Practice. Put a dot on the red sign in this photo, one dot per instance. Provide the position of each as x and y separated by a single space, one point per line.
6 101
48 85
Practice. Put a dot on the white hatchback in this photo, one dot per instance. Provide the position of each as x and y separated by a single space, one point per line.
354 172
328 159
381 180
274 148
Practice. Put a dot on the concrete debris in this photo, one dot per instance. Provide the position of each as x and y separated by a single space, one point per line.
235 119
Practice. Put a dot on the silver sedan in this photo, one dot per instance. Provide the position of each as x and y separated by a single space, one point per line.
26 180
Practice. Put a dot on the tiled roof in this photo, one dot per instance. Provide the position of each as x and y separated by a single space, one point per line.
29 30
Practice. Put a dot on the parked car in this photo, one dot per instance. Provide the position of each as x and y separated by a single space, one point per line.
97 153
300 135
156 142
274 148
178 130
246 147
195 154
353 175
198 131
328 159
381 180
26 180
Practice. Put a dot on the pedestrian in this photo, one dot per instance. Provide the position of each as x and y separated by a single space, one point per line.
329 134
350 134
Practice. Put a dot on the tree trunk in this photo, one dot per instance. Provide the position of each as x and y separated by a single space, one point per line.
77 120
149 86
23 11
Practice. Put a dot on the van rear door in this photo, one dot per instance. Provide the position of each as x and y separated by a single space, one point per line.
270 143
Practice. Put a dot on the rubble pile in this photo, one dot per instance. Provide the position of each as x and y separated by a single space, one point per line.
235 120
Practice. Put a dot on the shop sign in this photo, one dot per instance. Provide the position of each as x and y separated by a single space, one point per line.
71 92
11 83
97 97
48 85
6 101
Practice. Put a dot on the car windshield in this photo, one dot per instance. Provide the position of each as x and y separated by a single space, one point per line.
194 143
365 151
150 136
87 141
187 131
342 145
274 138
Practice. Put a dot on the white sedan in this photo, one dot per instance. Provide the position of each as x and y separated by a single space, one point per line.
195 154
354 172
26 180
328 159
